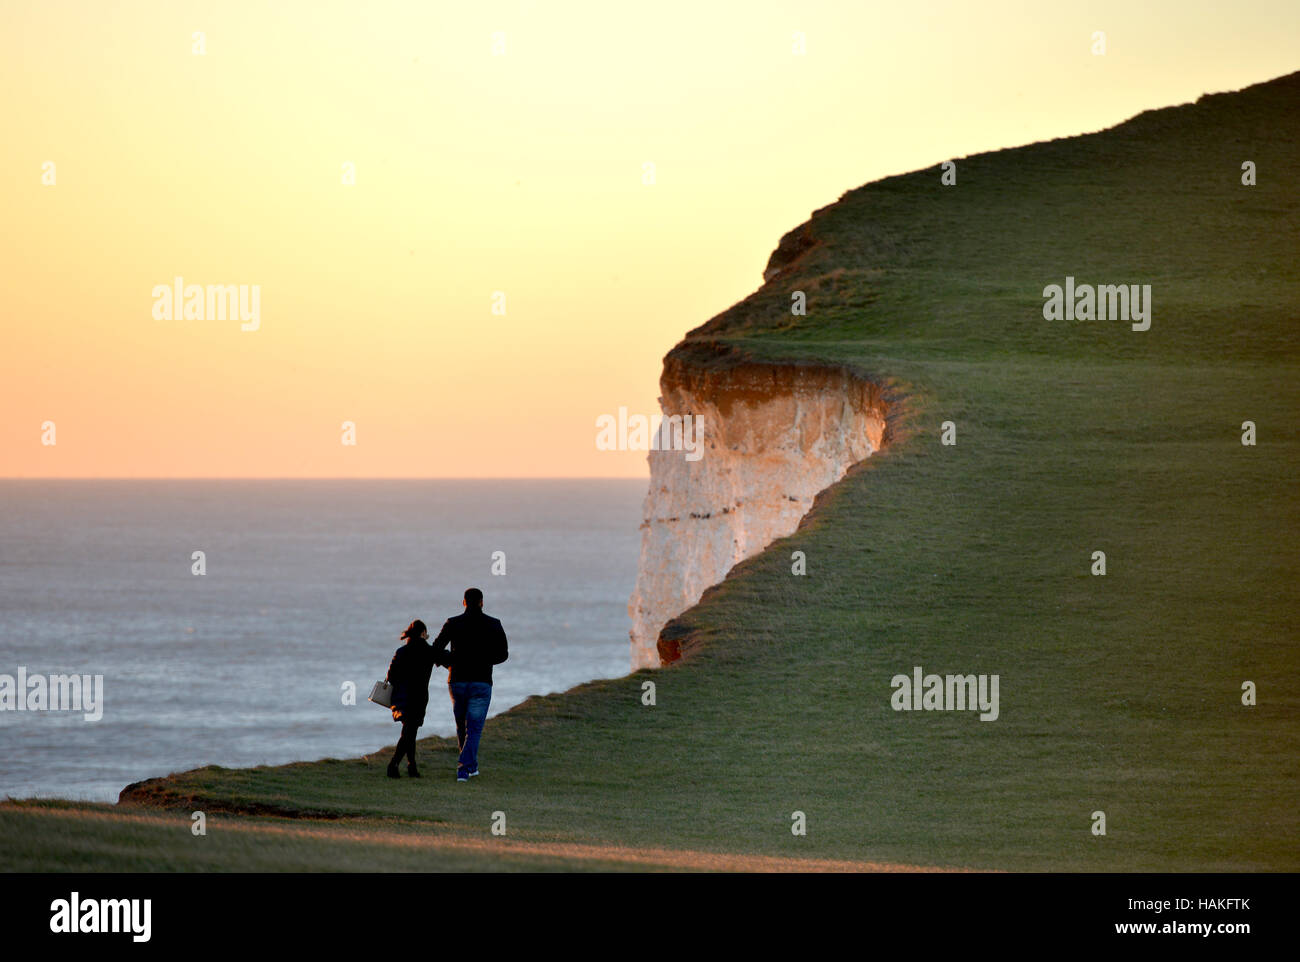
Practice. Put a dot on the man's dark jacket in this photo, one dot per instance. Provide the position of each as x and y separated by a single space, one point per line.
477 643
409 673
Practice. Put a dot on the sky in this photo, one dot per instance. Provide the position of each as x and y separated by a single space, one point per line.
446 210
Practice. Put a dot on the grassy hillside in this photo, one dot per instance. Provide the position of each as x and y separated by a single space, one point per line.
1119 693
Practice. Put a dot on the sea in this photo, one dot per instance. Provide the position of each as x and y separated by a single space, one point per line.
305 587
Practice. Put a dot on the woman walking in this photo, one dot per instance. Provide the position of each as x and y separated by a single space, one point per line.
409 673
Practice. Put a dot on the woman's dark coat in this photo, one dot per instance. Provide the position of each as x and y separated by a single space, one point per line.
409 673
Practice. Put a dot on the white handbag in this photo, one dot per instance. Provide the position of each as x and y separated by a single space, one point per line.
382 694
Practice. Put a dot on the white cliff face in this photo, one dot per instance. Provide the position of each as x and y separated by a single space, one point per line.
773 437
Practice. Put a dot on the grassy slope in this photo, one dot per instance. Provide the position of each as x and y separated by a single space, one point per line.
1118 693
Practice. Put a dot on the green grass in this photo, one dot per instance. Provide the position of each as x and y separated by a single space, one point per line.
105 838
1118 693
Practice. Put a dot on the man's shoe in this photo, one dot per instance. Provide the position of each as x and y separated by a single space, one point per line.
462 778
473 773
412 771
392 770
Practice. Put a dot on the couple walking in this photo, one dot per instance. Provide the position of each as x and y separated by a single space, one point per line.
469 644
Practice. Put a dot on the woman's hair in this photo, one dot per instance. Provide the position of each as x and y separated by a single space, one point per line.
414 630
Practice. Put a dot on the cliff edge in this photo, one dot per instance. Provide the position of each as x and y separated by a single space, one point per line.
774 435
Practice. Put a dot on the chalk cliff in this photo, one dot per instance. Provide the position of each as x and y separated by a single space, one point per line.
774 435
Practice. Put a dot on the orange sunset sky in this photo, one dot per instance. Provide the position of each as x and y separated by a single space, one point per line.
496 147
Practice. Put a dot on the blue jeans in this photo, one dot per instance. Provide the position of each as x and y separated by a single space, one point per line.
469 703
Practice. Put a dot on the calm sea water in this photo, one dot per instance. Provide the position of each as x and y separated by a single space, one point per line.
308 585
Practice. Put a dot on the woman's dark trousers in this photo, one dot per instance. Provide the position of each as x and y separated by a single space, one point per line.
406 744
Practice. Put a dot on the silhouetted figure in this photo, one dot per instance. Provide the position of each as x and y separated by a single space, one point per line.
409 673
477 643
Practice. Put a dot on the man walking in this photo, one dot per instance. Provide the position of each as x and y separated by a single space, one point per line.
477 643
